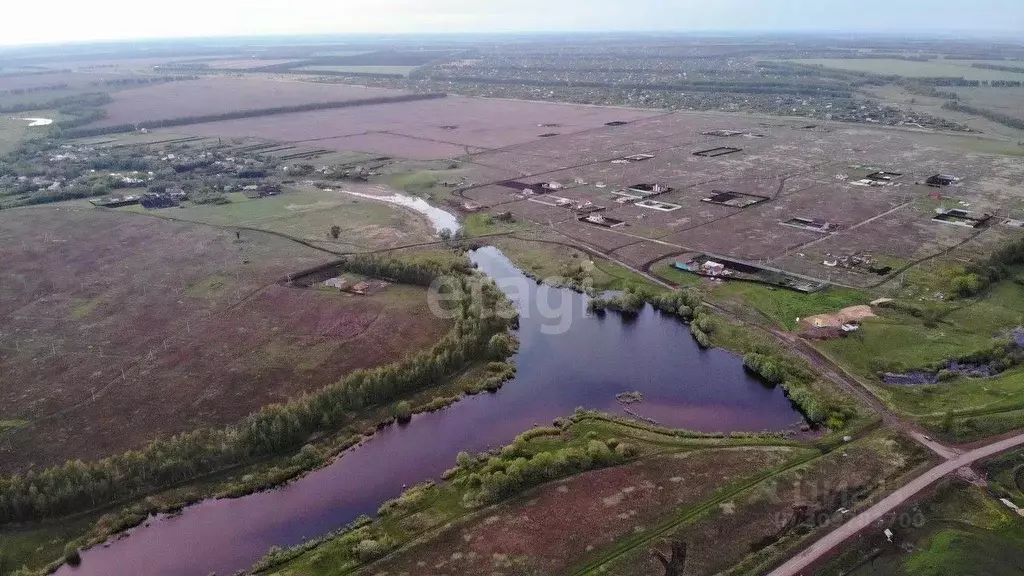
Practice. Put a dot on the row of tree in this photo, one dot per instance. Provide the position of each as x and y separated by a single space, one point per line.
1000 67
491 479
275 429
752 87
1004 119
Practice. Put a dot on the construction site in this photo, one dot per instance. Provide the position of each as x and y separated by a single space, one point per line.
808 204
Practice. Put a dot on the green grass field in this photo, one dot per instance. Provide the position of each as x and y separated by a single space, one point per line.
1008 101
676 276
910 69
13 130
960 530
782 306
552 261
309 214
898 341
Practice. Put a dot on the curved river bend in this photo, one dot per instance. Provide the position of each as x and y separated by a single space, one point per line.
566 359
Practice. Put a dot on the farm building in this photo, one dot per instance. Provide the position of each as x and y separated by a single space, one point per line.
599 220
959 217
115 201
940 180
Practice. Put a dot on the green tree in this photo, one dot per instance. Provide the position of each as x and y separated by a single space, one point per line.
403 412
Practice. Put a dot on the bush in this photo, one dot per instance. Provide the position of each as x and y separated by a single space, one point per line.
966 285
766 367
403 412
368 549
71 555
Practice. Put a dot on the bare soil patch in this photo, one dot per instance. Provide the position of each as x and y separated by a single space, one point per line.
837 319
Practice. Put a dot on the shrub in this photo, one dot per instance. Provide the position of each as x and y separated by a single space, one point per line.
403 412
369 549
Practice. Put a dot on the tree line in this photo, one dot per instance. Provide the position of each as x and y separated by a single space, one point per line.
999 67
682 304
490 478
275 429
797 382
753 87
1004 119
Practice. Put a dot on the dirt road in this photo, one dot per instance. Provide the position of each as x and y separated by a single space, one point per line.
801 561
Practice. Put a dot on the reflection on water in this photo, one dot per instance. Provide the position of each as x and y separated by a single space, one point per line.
566 359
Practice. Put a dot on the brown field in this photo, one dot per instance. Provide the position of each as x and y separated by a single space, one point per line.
744 528
219 95
805 173
118 328
455 121
547 530
74 79
245 63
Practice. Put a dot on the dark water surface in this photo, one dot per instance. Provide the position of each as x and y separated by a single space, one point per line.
566 359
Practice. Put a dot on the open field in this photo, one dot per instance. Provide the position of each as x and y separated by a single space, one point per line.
119 328
245 63
309 214
958 529
964 408
1008 101
745 531
400 70
219 95
543 534
910 69
14 128
443 128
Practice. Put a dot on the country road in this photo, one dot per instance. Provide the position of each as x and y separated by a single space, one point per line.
823 546
954 459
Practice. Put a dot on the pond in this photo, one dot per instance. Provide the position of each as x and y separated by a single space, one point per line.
567 358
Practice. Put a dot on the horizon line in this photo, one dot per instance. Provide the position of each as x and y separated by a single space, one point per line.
962 34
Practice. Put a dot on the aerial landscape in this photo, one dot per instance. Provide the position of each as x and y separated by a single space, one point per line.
444 289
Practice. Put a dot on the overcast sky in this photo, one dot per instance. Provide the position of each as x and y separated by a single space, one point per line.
77 20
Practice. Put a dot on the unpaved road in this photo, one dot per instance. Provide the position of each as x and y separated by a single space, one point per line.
814 552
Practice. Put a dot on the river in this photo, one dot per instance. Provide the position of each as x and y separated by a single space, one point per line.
566 359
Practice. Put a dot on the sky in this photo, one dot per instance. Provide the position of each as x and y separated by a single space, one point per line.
58 21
